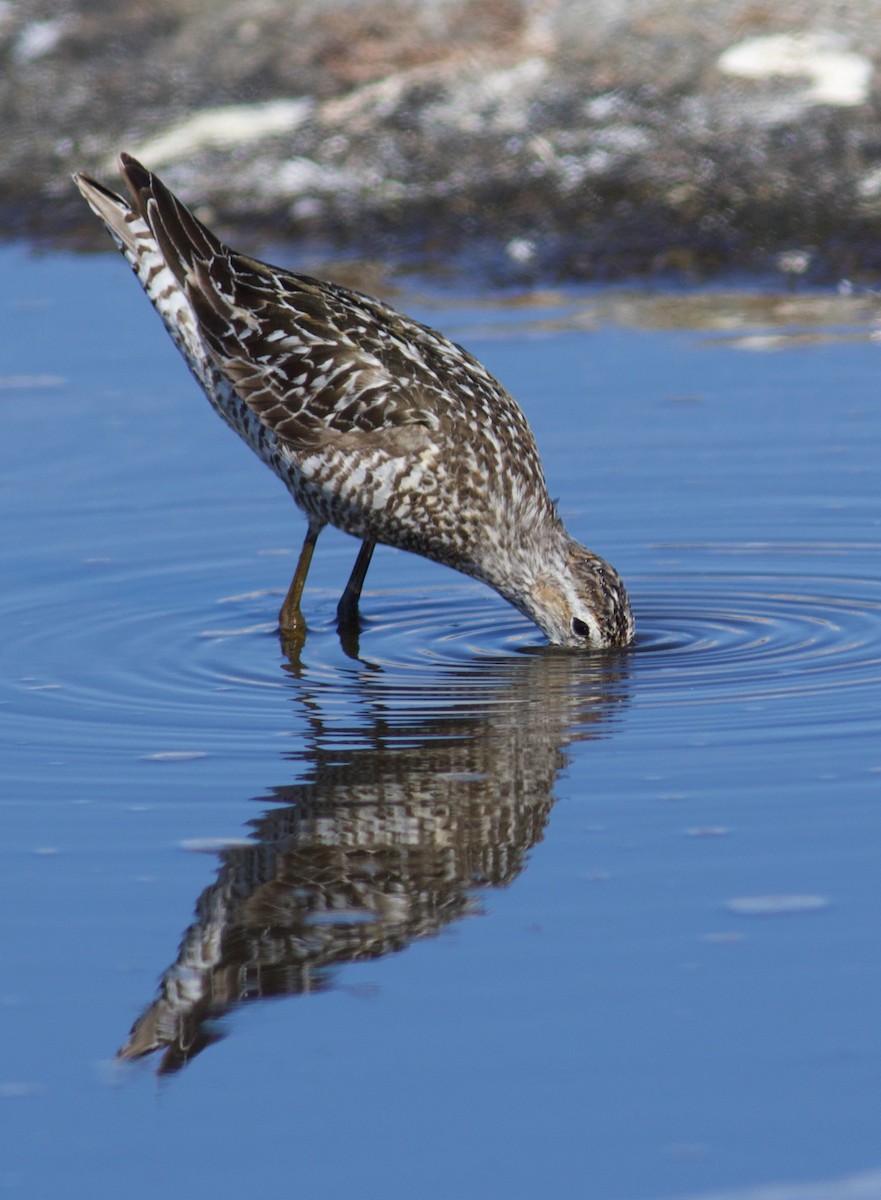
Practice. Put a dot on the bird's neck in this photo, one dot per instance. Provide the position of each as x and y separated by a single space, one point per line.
518 554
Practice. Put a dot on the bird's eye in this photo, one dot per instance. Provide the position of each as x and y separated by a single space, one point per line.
580 628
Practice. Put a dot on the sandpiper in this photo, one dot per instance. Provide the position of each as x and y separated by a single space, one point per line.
375 423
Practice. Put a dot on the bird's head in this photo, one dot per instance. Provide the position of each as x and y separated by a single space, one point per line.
583 604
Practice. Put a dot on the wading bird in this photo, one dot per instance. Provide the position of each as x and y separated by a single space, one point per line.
375 423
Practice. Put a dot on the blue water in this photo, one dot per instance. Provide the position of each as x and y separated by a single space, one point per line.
531 923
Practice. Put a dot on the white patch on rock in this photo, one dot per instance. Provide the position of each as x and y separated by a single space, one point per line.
834 74
226 126
496 100
520 250
869 187
39 38
299 175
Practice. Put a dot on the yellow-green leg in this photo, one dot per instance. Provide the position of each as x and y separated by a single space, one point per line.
347 609
290 618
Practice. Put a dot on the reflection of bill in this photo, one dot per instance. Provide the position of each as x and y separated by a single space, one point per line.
383 843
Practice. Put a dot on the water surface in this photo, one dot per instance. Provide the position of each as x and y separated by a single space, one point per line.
533 923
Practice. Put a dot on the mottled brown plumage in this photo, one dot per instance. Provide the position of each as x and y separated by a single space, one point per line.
375 423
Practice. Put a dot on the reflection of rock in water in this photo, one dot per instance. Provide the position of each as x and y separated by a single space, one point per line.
381 844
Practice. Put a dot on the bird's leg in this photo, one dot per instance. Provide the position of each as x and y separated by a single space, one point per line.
347 609
290 619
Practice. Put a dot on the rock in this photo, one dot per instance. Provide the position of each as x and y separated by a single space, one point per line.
555 139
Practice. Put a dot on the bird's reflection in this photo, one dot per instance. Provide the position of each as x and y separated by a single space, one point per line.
400 817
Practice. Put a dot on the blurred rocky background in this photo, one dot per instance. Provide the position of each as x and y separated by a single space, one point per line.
540 139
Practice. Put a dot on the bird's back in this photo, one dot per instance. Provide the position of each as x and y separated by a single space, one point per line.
376 423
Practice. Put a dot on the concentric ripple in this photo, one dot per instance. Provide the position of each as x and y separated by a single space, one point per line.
735 633
759 636
761 628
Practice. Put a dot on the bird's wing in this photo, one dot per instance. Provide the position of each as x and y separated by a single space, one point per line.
310 360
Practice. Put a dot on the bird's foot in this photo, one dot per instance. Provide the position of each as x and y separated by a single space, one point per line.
291 630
